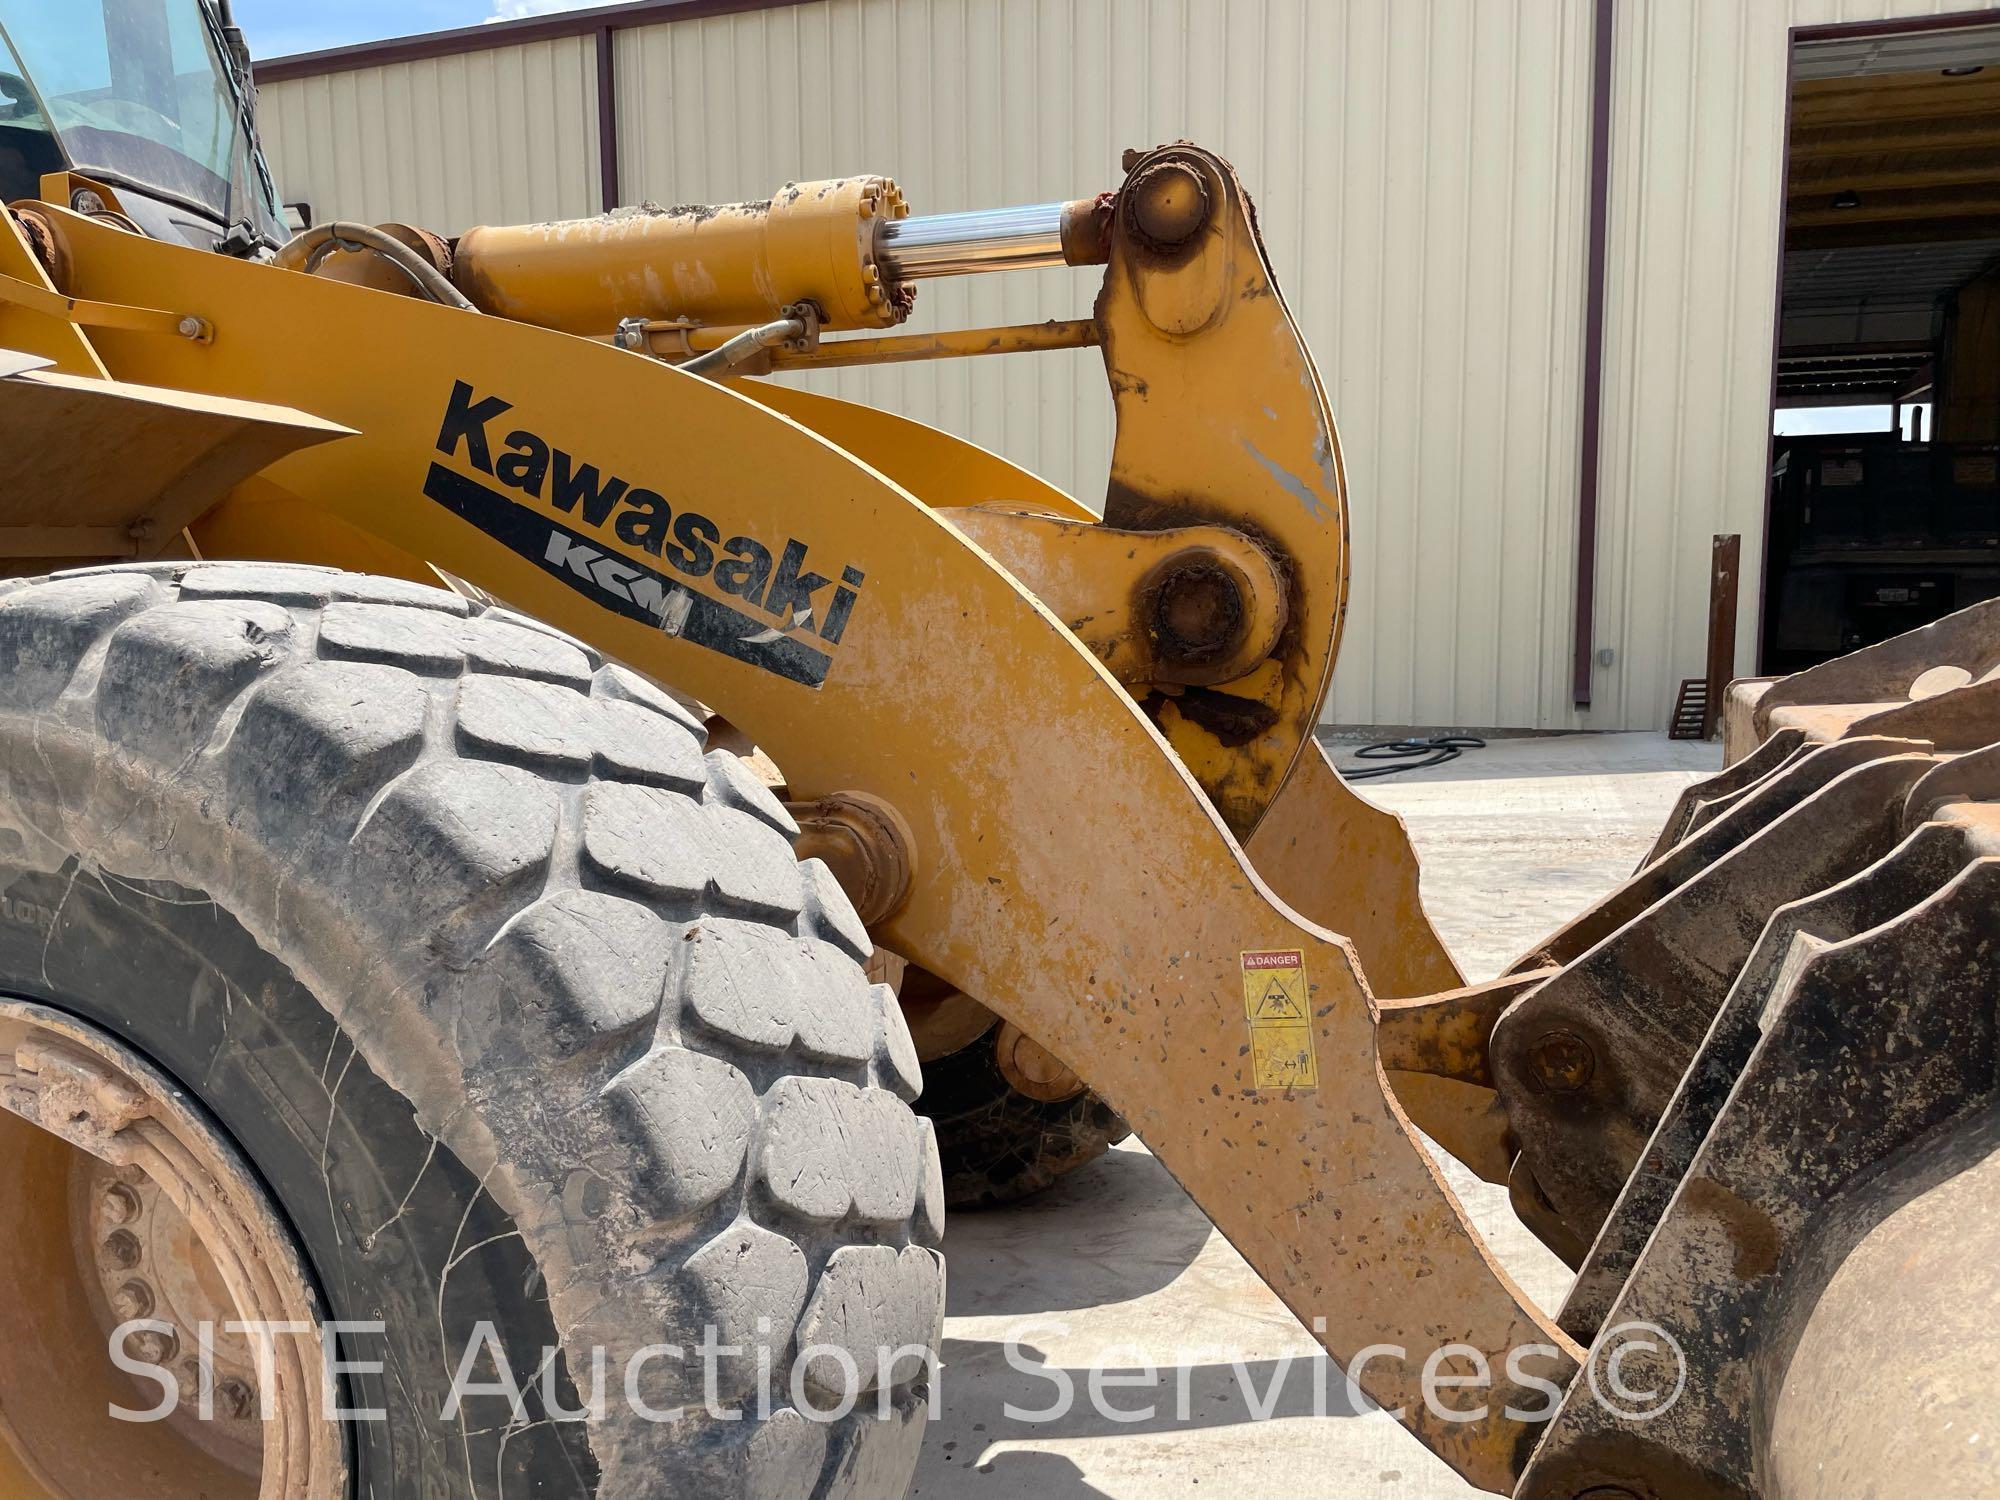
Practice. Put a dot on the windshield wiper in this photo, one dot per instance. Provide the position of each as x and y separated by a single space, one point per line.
240 237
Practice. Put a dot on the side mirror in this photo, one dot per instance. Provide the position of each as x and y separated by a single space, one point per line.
298 216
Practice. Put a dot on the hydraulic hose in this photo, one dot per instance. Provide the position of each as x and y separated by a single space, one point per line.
306 249
727 356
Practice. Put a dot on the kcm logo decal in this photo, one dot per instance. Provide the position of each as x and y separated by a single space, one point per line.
809 609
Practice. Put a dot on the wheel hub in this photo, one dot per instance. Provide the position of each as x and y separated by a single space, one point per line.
128 1205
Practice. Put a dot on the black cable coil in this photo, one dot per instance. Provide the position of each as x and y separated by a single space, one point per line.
1435 752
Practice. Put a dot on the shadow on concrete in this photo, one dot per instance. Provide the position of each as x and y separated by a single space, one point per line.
1056 1404
1126 1226
1510 757
1014 1475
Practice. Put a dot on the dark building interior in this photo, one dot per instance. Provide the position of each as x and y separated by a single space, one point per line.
1890 301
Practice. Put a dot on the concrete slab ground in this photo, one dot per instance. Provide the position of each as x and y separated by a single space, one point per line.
1115 1276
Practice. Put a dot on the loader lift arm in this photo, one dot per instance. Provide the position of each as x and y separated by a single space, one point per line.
1070 761
1071 870
949 653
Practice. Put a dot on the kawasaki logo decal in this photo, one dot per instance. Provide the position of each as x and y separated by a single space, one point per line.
787 597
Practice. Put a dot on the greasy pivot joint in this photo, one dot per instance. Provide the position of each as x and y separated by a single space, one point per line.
1198 610
866 844
1562 1061
45 244
1204 604
1031 1069
1169 204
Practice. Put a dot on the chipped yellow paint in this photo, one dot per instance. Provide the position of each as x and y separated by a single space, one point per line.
1222 419
31 333
1073 874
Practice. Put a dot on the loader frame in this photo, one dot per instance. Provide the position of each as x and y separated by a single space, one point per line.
1066 765
1076 845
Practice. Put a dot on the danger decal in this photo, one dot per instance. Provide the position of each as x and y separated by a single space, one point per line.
781 616
1277 1009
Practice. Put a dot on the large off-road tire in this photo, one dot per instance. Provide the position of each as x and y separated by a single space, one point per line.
998 1144
519 1005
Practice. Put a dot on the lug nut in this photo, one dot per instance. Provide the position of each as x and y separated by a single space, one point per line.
1563 1063
119 1204
234 1399
132 1300
121 1250
150 1346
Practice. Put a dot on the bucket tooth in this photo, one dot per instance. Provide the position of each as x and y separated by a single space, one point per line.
1873 1079
1588 1061
1921 864
1699 804
1802 775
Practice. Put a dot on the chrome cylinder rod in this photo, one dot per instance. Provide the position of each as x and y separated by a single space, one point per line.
993 239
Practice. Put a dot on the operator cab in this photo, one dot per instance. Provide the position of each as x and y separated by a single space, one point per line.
153 98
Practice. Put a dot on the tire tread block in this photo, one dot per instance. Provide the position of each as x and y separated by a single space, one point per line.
507 947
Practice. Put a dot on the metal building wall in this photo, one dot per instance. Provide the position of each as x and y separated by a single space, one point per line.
1421 169
1697 180
503 135
1418 166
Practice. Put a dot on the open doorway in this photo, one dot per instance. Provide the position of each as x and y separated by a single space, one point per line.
1884 507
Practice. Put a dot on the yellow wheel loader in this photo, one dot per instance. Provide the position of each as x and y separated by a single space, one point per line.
503 813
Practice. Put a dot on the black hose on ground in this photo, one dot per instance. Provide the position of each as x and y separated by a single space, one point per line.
1435 752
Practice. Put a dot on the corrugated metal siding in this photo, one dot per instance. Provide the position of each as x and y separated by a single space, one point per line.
1419 173
1696 218
502 136
1419 168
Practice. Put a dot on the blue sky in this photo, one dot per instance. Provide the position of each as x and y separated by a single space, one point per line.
277 27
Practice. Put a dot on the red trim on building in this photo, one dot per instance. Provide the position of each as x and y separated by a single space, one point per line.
607 117
1591 438
1836 31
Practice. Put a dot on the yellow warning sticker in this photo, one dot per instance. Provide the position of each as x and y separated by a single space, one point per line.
1276 1006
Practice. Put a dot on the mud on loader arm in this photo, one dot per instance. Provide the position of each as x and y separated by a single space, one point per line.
1077 796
